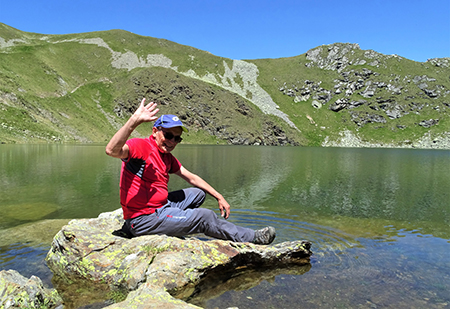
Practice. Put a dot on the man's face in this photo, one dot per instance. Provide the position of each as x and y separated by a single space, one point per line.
167 145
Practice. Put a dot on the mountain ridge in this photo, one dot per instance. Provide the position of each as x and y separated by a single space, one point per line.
311 99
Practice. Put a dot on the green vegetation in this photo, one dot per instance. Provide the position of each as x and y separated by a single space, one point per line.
82 87
118 295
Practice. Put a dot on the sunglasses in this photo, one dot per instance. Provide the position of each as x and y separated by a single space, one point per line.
169 136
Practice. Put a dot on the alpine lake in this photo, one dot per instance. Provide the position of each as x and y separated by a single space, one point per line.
378 219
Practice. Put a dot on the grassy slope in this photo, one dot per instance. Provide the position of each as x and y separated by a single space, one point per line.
53 88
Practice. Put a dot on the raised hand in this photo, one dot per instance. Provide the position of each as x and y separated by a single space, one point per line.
116 147
146 113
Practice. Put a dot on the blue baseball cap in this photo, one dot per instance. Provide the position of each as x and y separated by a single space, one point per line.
170 121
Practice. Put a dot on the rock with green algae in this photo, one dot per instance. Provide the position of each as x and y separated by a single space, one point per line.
16 291
86 248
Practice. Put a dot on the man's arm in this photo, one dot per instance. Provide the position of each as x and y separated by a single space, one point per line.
116 147
198 182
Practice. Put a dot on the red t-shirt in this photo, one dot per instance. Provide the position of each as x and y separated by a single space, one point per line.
144 177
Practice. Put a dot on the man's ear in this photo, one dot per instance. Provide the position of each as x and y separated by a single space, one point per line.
154 130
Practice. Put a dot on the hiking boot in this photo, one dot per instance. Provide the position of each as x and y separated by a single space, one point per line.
264 236
123 232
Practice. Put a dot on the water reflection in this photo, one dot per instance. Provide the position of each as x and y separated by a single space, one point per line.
378 219
55 181
377 186
27 260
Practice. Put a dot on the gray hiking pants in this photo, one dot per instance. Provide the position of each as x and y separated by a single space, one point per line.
182 216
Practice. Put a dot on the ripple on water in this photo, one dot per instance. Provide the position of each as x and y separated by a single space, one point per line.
402 269
347 271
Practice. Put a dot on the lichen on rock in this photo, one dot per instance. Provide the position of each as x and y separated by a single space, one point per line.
17 291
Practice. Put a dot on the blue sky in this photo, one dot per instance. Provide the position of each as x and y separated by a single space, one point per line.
417 30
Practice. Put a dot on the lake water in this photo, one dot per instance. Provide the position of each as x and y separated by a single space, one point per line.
378 219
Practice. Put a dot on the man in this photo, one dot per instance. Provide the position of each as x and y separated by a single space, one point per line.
148 207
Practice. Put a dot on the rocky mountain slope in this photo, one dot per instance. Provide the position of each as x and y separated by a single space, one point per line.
82 87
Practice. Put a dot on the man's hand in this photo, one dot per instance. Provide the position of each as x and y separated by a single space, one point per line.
117 146
145 113
224 208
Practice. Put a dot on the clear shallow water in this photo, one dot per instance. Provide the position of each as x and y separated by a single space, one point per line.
378 219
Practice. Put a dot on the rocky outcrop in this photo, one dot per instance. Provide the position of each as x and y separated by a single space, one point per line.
429 123
381 96
200 107
331 57
427 141
17 291
363 88
440 62
167 266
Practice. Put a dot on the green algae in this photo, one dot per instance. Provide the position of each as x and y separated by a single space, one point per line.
28 211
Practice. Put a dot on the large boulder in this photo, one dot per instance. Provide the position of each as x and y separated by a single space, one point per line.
86 249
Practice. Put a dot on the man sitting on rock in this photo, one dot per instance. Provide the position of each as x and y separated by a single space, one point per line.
148 207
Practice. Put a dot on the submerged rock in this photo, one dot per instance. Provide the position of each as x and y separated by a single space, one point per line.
161 265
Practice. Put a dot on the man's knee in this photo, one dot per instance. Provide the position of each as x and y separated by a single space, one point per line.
202 195
205 215
197 195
